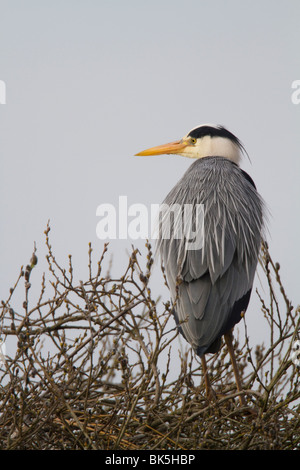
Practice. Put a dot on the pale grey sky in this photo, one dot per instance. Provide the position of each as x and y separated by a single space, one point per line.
90 83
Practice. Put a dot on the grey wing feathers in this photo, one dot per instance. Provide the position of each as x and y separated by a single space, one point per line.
214 277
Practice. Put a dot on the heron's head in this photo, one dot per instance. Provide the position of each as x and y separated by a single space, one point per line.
204 141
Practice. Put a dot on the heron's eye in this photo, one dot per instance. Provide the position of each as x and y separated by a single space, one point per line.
193 140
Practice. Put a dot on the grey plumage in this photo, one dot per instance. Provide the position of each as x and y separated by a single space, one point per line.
212 284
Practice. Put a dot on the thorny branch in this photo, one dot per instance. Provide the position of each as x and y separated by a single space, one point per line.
97 366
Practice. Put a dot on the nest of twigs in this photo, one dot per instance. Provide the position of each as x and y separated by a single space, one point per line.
96 366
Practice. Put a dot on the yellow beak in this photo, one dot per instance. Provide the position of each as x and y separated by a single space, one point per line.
172 147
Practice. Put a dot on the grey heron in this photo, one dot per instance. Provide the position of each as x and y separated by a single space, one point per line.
211 284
